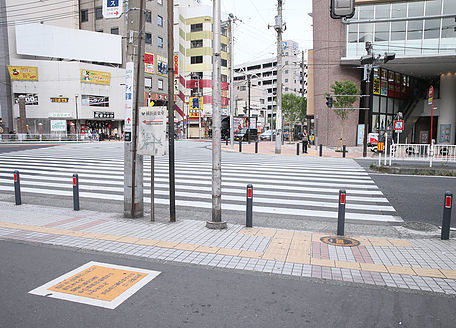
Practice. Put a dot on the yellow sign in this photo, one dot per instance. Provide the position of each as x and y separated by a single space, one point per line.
101 283
23 73
376 87
195 107
381 146
59 100
95 77
151 103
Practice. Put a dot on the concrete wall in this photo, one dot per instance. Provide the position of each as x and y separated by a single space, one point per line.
5 86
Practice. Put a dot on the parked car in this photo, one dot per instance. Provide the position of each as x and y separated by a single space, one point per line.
266 135
372 139
243 134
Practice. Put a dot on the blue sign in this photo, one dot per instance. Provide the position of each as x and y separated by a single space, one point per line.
113 3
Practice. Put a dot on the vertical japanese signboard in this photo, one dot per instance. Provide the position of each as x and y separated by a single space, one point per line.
129 68
149 63
176 65
152 131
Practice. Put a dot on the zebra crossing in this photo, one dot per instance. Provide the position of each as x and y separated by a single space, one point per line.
307 188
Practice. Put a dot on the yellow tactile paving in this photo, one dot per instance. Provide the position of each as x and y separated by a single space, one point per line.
400 270
128 240
450 274
248 231
207 249
347 265
266 232
109 237
382 242
275 257
300 235
166 244
322 262
284 234
362 241
317 236
255 255
400 243
373 267
229 251
184 246
428 272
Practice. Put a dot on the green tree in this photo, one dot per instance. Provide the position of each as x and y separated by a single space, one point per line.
294 110
343 105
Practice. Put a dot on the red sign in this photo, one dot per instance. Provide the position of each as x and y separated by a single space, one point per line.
398 126
176 65
431 95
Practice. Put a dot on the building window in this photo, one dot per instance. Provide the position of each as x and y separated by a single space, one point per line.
196 27
160 2
160 42
242 88
148 17
196 60
98 13
224 78
100 31
224 47
197 75
160 84
160 21
147 82
196 44
286 62
84 15
115 30
286 89
224 63
148 38
286 71
286 80
224 31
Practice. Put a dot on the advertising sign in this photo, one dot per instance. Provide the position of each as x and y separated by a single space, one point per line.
398 126
376 87
23 73
112 8
30 98
253 123
149 63
95 77
238 123
103 114
176 65
58 126
195 106
152 131
445 133
360 139
60 115
162 66
129 68
59 100
431 95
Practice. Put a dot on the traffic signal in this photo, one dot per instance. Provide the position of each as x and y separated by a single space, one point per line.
342 8
329 101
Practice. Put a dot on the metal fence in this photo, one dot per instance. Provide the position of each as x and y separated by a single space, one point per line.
5 138
424 152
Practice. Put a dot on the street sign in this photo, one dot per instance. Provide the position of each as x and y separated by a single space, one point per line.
431 95
112 8
195 107
152 131
129 68
398 126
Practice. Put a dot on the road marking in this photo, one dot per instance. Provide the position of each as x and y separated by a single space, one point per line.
99 284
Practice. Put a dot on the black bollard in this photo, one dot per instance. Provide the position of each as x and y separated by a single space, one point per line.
240 146
321 150
341 212
256 146
248 218
226 142
344 149
17 188
303 147
75 192
297 149
446 221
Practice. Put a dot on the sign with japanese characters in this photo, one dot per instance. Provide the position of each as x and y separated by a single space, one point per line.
152 131
195 106
149 63
129 68
23 73
112 8
162 66
95 77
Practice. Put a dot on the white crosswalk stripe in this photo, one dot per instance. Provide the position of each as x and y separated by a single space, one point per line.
285 188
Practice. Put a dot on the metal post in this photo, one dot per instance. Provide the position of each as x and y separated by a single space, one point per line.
240 146
75 192
279 29
344 149
297 149
216 222
321 150
17 188
386 149
231 82
256 146
341 212
172 183
249 84
379 156
152 188
249 211
446 221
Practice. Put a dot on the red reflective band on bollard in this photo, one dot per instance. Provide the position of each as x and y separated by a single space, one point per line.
342 199
74 181
249 193
15 177
448 201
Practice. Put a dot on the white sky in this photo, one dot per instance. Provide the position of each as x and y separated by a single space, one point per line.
253 40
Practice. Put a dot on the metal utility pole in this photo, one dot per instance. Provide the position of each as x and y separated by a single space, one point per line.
77 117
133 167
216 222
279 29
249 85
172 184
231 19
367 72
21 126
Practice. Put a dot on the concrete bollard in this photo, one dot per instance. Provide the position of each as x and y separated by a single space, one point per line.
249 210
75 192
341 213
446 221
17 188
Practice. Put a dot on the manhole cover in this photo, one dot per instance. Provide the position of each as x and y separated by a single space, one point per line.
340 241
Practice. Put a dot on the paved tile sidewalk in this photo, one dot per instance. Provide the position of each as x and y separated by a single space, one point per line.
421 264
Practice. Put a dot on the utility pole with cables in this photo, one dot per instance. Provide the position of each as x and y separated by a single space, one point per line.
279 27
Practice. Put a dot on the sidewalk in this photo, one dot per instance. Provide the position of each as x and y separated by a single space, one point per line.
418 264
268 147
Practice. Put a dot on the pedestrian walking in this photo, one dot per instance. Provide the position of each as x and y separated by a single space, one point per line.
305 140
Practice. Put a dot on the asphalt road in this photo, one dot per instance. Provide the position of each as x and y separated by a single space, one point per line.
416 198
197 296
5 148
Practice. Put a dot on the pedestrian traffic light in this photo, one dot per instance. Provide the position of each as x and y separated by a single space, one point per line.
329 101
342 9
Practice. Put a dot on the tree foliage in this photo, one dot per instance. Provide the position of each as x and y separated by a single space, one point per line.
294 108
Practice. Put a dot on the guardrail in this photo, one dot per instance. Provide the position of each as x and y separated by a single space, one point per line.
423 152
22 137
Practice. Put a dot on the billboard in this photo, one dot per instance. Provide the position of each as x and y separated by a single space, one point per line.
149 63
176 65
58 126
95 77
195 106
162 66
30 98
23 73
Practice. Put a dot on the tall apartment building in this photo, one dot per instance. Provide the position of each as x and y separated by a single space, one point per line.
263 75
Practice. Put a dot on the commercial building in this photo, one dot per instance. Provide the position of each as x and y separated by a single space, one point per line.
421 34
258 99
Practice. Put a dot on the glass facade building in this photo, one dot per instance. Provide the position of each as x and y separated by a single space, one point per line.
405 38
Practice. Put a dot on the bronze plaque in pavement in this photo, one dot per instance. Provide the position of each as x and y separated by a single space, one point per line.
339 241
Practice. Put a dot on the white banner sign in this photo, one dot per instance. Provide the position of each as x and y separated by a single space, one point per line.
60 115
152 131
58 126
112 8
129 68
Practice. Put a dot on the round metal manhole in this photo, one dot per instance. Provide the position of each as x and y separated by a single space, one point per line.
340 241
